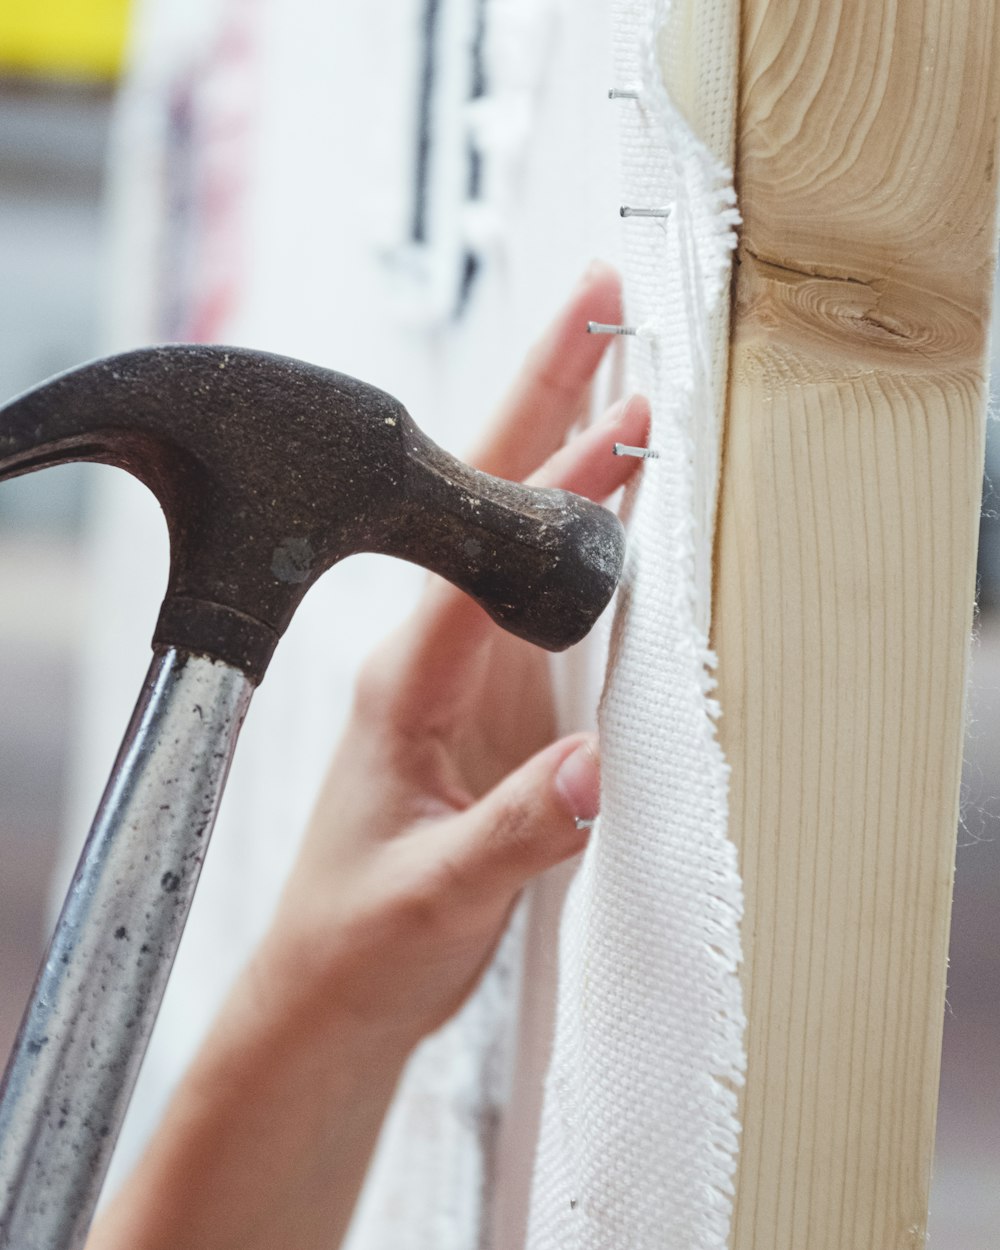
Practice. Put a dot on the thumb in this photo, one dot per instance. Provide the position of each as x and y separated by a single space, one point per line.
527 823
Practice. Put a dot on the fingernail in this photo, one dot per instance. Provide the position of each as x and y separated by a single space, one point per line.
614 414
578 781
617 412
595 267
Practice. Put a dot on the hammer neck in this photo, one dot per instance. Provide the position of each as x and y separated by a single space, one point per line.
77 1055
217 632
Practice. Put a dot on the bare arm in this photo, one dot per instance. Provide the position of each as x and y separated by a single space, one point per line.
445 797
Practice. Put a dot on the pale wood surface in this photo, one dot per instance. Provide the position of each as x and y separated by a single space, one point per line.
844 581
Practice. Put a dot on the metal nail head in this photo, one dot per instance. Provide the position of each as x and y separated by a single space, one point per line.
596 327
627 210
643 453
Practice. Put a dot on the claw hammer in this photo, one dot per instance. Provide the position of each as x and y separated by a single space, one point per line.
269 471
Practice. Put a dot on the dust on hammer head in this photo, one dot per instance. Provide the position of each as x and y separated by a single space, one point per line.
270 470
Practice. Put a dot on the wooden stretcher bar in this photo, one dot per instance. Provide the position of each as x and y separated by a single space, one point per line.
845 565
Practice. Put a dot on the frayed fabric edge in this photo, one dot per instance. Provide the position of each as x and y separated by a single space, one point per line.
723 911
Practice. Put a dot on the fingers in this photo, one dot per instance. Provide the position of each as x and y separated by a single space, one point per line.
527 823
437 658
445 640
445 637
587 465
551 392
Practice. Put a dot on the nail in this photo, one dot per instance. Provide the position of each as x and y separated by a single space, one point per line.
601 327
578 781
619 411
594 268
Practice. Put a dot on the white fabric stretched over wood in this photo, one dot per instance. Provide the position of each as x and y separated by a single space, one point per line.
639 1130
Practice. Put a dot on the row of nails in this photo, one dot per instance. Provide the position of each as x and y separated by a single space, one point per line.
598 327
626 210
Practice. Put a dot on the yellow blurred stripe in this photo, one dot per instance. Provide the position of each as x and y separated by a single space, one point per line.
71 38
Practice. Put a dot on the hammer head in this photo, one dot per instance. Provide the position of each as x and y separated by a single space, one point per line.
270 470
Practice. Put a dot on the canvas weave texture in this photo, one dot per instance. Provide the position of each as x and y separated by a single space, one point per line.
639 1126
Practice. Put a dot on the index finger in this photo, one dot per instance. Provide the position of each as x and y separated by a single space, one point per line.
446 634
548 396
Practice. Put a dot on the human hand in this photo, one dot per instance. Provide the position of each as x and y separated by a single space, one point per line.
444 798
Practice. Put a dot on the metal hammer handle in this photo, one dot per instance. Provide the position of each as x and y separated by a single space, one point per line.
269 470
86 1028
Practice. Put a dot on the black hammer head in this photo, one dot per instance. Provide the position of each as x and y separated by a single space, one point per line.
270 470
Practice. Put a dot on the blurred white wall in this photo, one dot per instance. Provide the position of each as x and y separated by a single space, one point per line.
52 148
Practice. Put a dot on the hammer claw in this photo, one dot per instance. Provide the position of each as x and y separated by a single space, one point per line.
270 470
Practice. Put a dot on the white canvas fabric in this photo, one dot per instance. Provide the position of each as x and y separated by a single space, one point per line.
584 1096
639 1129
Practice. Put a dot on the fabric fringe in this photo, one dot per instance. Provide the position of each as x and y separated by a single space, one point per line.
639 1129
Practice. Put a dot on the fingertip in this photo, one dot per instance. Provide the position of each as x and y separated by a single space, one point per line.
572 353
555 381
629 418
600 290
535 818
587 465
577 780
597 298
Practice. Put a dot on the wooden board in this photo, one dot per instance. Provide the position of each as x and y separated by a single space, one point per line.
866 148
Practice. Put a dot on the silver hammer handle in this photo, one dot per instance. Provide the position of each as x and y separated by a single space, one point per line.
84 1033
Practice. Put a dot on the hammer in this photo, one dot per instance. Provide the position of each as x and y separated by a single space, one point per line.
269 471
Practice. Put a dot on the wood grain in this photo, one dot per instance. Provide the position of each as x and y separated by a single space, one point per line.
845 564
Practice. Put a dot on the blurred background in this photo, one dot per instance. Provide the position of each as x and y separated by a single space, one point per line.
59 63
57 77
57 74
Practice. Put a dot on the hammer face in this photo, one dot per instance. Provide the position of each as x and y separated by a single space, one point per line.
270 470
